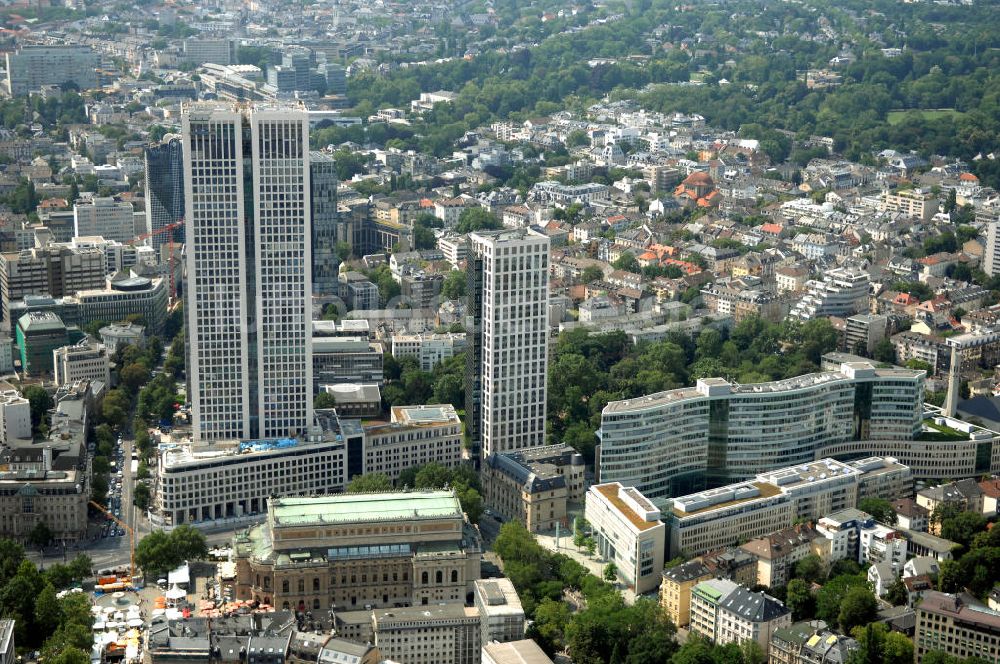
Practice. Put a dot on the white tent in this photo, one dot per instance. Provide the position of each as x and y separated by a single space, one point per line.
175 593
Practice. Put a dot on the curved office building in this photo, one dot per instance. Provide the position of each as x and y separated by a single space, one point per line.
672 443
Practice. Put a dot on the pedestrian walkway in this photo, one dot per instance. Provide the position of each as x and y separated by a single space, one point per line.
593 563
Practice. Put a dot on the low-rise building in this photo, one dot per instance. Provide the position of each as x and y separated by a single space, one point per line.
629 533
534 485
428 349
38 335
913 203
344 552
514 652
500 612
414 436
442 634
345 360
725 612
122 334
15 417
778 552
810 642
676 587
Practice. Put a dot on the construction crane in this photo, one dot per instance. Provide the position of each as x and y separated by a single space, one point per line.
131 534
168 228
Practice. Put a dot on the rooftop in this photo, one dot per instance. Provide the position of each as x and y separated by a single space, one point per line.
361 507
612 493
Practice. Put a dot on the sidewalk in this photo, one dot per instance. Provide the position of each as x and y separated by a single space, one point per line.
593 563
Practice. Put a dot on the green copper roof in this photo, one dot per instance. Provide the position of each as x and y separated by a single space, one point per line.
365 507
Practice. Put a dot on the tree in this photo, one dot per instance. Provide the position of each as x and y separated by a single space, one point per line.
324 400
610 573
858 607
962 528
879 645
628 262
477 219
40 535
884 352
591 274
134 376
454 285
810 568
879 508
140 496
343 250
369 483
70 656
158 553
39 402
896 593
799 600
188 543
48 615
549 626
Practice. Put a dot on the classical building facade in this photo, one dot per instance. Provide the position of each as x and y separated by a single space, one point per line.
534 485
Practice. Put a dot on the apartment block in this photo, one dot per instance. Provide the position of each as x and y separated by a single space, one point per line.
863 332
809 642
682 440
842 292
676 587
534 485
352 551
414 436
957 625
52 270
629 533
30 68
914 203
105 217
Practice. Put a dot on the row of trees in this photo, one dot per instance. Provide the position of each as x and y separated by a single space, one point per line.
159 552
463 479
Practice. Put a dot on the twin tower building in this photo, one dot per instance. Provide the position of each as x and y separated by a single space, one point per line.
249 204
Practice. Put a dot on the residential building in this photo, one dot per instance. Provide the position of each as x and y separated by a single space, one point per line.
85 360
629 534
681 440
956 625
514 652
428 349
777 553
810 643
914 203
52 270
773 500
15 418
106 217
864 332
534 485
244 474
117 335
991 254
676 587
32 67
249 272
414 436
383 550
323 210
507 354
731 299
164 191
910 515
705 599
744 615
791 278
448 210
842 292
447 634
500 613
345 360
454 247
358 292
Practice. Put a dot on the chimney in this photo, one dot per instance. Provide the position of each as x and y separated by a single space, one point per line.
954 383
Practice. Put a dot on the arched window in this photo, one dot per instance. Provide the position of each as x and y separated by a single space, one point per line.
454 576
267 583
284 586
316 584
423 578
302 585
438 577
315 603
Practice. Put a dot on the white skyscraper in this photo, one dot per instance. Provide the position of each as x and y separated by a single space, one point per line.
246 188
991 257
507 348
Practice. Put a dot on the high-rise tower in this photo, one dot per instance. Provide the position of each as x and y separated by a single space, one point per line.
164 190
508 276
249 257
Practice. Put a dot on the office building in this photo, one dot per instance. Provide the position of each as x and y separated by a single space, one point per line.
323 210
85 360
117 256
534 485
956 625
218 51
681 440
351 551
676 587
126 294
774 500
514 652
356 400
507 356
358 292
842 292
447 634
38 334
116 335
428 349
52 270
15 417
501 615
230 480
30 68
249 272
345 360
104 217
164 191
991 253
628 532
414 436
